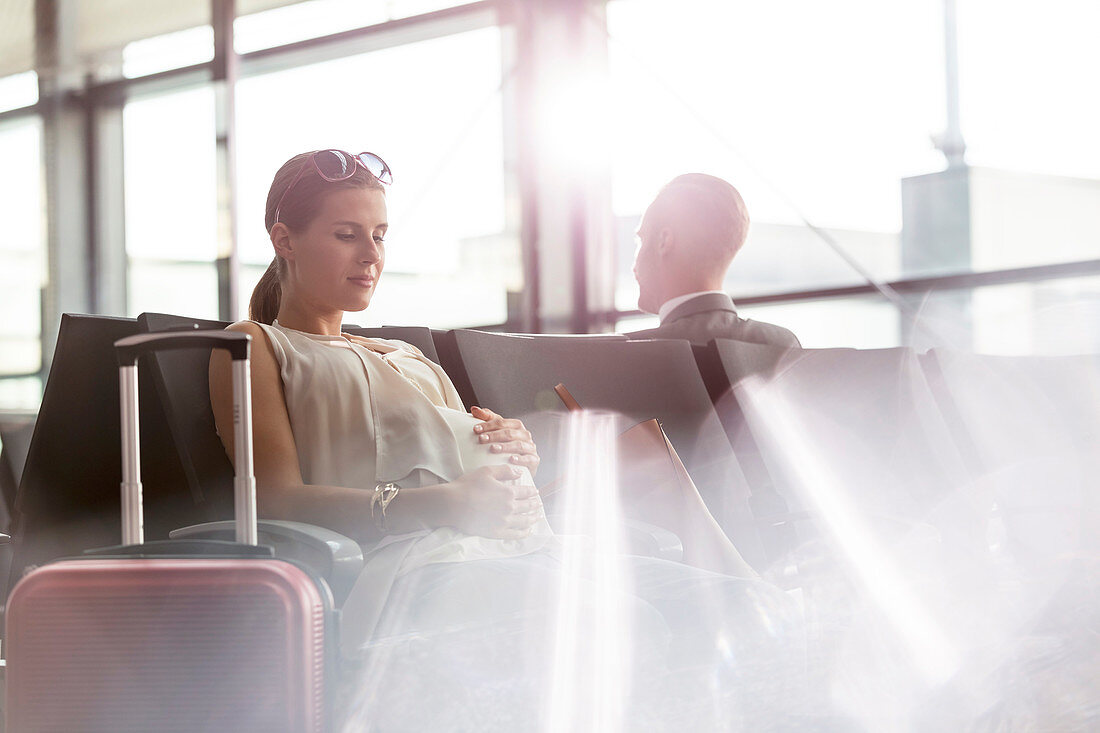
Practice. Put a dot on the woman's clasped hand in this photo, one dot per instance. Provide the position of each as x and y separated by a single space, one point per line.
489 502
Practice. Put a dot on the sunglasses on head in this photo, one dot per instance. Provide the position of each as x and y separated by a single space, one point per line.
338 165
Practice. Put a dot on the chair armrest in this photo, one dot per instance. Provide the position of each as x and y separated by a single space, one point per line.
336 558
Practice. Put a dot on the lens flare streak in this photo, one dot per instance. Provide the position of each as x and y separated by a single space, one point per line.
591 660
770 412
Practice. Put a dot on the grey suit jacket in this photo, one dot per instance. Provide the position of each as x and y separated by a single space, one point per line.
712 316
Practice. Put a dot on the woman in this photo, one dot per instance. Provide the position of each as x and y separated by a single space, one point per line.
369 438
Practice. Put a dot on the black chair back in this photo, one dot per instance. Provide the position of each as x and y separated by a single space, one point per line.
858 432
418 336
515 374
724 365
1028 428
68 497
450 359
447 344
183 388
15 443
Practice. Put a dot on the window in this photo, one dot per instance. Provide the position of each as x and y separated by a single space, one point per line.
22 271
171 184
18 90
21 247
803 107
776 258
1048 318
18 83
867 322
131 38
432 110
791 112
304 20
1027 86
169 51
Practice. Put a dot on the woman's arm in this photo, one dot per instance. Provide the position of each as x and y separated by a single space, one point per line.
478 502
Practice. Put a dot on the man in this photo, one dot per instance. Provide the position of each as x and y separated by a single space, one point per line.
687 240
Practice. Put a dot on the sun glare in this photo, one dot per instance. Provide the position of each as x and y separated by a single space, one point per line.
590 676
573 114
935 656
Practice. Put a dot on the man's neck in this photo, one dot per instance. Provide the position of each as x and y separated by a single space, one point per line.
673 303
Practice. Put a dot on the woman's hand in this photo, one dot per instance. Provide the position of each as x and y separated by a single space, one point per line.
506 436
484 504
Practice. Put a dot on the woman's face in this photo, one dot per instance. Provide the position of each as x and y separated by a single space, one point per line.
337 260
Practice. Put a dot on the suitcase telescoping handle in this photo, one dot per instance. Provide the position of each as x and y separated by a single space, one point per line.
244 482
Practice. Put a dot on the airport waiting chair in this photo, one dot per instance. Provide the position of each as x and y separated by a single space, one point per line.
15 443
15 440
1059 392
725 365
1028 427
418 336
451 361
855 438
514 375
68 497
195 439
446 342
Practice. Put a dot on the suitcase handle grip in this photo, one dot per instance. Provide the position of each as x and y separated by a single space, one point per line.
130 348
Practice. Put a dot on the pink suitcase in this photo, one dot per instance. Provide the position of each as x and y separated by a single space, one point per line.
187 635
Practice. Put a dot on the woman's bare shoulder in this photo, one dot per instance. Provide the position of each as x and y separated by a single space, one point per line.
252 328
260 339
263 353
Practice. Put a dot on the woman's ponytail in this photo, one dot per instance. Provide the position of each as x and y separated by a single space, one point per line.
263 307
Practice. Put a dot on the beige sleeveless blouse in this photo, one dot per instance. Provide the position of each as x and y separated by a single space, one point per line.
367 411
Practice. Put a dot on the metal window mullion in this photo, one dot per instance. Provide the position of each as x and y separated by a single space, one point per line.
64 142
225 67
909 286
20 113
519 134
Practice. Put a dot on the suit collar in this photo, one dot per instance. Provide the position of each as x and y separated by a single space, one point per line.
701 304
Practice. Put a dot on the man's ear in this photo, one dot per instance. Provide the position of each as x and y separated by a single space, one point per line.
666 241
280 240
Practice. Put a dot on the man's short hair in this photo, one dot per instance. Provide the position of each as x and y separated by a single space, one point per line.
711 206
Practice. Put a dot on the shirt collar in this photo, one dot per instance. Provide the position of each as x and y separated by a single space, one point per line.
671 304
